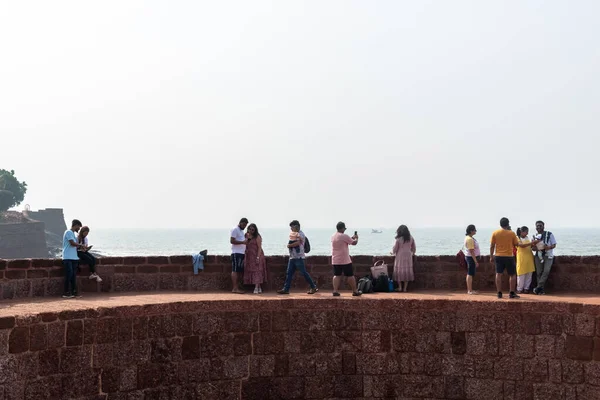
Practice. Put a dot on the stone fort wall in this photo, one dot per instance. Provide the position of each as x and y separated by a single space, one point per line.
44 277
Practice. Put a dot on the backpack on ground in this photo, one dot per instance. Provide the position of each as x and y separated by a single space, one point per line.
365 285
306 245
382 284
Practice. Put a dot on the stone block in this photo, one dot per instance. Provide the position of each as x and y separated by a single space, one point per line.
376 341
459 343
508 368
262 366
592 374
181 260
49 362
545 345
38 337
18 340
75 333
535 370
7 322
49 387
551 324
166 350
454 387
56 334
545 391
585 325
476 343
107 330
103 355
269 343
9 368
15 274
19 264
111 380
147 269
477 389
216 345
423 386
159 260
134 260
579 348
37 274
190 348
154 375
76 359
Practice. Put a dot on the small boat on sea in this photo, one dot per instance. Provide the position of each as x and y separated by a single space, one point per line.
376 231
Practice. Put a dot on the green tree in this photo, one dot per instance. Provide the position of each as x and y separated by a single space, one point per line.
12 192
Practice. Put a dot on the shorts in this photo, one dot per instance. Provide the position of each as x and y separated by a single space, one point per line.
507 263
346 269
237 262
470 266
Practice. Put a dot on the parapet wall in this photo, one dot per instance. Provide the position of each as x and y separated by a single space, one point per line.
297 348
44 277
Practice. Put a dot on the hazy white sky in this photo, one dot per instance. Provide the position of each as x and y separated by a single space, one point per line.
191 114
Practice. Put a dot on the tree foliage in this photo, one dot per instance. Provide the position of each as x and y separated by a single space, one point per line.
12 192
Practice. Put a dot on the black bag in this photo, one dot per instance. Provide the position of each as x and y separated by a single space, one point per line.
382 284
365 285
306 245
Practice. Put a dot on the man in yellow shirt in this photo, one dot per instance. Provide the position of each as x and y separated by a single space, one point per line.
502 244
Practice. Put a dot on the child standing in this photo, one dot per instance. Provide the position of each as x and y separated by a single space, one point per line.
525 264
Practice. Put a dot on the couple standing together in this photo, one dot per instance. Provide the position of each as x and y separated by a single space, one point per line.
247 258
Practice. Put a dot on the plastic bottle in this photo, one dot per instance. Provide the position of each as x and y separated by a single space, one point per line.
391 283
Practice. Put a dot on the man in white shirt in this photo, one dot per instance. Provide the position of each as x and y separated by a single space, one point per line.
238 251
543 245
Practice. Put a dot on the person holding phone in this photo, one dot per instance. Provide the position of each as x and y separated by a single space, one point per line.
340 259
84 254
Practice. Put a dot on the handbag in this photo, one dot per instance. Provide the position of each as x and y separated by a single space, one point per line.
378 269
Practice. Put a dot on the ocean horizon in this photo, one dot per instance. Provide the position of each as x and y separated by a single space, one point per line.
429 241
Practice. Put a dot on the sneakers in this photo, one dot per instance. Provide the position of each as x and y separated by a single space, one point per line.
259 290
283 291
538 290
336 294
499 295
67 296
357 293
256 290
513 295
313 290
473 292
96 277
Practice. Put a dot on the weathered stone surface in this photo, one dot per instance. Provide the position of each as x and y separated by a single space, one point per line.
386 346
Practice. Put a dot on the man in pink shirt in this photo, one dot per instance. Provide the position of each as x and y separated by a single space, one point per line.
340 259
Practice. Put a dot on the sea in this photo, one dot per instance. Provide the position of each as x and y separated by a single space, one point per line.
429 241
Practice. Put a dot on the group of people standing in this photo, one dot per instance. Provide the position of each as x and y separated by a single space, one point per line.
516 253
248 261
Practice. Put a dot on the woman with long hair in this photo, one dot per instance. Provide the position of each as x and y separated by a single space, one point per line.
255 271
84 254
471 251
404 250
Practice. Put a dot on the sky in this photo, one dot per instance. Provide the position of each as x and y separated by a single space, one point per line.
193 114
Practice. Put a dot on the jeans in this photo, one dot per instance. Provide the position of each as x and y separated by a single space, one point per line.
87 258
293 265
542 270
70 276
